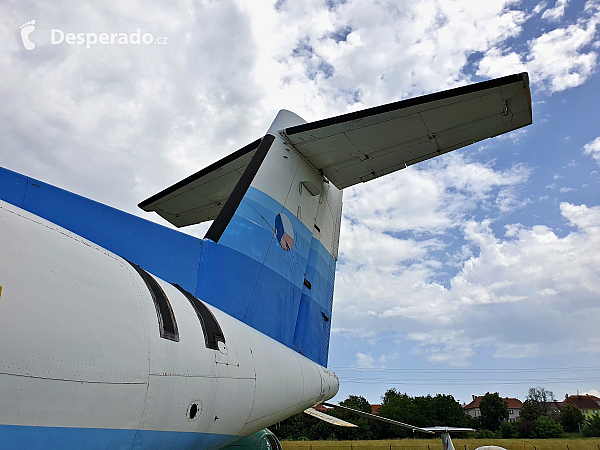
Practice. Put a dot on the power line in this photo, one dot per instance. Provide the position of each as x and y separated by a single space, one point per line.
470 382
462 370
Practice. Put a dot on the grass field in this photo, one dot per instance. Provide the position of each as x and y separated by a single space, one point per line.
436 444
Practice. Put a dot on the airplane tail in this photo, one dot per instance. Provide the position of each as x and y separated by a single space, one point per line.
269 256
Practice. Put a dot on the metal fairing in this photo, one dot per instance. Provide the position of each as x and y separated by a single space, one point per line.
83 364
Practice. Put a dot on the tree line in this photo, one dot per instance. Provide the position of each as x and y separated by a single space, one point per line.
538 420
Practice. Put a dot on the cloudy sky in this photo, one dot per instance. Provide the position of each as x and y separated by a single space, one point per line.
477 271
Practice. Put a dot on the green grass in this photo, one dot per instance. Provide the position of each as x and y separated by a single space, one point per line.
436 444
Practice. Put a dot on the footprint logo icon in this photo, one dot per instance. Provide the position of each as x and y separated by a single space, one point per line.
26 29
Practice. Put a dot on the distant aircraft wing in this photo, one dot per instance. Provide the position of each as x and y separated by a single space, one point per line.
329 419
201 196
447 429
380 418
367 144
430 430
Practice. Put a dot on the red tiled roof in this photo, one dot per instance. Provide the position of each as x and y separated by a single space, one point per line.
320 408
375 409
584 401
512 403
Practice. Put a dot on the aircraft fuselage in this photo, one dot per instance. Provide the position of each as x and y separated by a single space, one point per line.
83 363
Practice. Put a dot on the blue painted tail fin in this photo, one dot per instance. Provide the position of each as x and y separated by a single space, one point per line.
270 255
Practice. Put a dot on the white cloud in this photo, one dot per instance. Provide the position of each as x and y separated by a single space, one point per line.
119 123
447 346
586 219
556 60
509 199
432 199
539 7
555 14
593 149
498 62
526 287
365 361
362 53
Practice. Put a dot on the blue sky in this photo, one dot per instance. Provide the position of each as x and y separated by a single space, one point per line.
477 271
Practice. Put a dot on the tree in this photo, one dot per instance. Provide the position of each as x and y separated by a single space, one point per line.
422 411
592 426
303 427
447 411
494 410
527 428
542 397
295 428
508 430
365 425
547 428
531 410
357 402
396 406
571 418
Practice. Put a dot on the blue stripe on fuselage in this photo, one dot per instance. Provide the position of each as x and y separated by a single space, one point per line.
32 437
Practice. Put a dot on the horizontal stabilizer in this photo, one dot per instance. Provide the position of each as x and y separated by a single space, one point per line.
363 145
447 429
201 196
329 419
367 144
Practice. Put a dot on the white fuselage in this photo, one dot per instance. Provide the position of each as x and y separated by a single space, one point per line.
81 350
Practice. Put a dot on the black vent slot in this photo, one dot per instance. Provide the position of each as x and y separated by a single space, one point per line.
210 327
307 284
166 319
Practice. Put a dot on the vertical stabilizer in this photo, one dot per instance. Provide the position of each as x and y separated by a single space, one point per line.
274 246
447 441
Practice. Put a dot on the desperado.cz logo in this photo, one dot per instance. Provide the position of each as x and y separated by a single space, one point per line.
58 36
89 39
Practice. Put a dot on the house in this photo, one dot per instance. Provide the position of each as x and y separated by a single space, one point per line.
375 409
514 407
588 404
555 407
